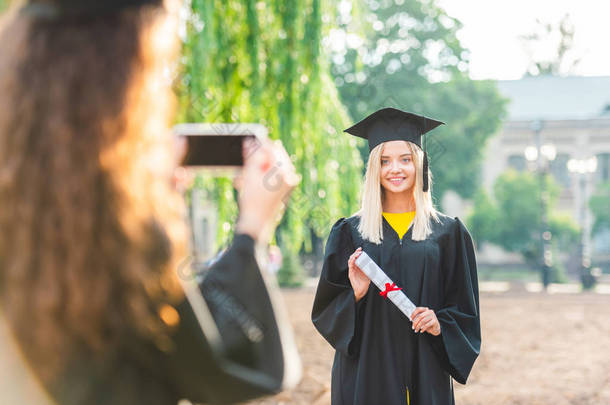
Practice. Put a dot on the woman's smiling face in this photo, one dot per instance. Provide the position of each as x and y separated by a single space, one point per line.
397 168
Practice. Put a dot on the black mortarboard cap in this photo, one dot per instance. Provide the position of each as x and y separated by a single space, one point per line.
391 124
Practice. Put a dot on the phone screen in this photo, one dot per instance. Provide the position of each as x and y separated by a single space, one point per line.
214 150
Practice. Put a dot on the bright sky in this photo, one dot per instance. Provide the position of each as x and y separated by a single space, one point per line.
492 28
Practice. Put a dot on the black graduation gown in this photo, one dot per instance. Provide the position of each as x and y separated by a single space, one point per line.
252 359
378 355
251 362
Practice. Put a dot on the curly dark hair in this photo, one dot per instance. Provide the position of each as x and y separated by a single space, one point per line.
91 230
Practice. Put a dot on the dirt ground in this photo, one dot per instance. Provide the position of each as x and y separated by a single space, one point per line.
537 349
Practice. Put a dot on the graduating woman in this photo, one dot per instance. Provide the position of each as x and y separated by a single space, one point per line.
381 356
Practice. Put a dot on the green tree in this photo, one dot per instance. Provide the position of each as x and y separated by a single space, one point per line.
473 111
512 218
261 61
405 54
483 225
599 203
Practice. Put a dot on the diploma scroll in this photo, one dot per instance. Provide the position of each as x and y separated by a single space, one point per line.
383 282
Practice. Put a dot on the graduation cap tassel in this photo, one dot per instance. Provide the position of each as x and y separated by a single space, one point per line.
425 174
425 171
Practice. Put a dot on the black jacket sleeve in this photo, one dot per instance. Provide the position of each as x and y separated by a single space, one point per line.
335 313
250 361
459 343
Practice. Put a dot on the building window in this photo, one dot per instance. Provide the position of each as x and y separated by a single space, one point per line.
517 162
559 169
603 167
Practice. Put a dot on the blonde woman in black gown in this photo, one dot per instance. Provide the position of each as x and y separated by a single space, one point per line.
381 356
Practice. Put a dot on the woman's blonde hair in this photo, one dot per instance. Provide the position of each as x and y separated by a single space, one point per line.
373 193
92 232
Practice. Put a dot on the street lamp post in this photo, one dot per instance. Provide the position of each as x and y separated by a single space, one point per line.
543 155
583 168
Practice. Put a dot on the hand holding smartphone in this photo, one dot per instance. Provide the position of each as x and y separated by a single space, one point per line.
264 173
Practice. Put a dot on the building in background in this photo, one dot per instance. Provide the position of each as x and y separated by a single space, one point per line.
573 115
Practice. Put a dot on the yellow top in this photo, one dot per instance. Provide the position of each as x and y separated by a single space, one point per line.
400 221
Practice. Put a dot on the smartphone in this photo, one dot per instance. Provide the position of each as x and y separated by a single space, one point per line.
217 145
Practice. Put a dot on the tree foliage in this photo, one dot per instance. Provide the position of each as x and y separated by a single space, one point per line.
405 54
512 217
261 61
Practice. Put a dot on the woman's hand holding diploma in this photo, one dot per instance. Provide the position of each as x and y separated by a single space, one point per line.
424 320
359 281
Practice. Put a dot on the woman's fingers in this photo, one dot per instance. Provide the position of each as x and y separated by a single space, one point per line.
420 321
351 263
360 273
249 146
283 162
354 256
417 312
420 314
357 278
426 322
180 148
431 326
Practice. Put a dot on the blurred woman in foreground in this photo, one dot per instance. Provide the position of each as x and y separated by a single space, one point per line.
91 231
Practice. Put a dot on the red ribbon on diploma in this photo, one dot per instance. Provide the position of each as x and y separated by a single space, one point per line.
388 287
